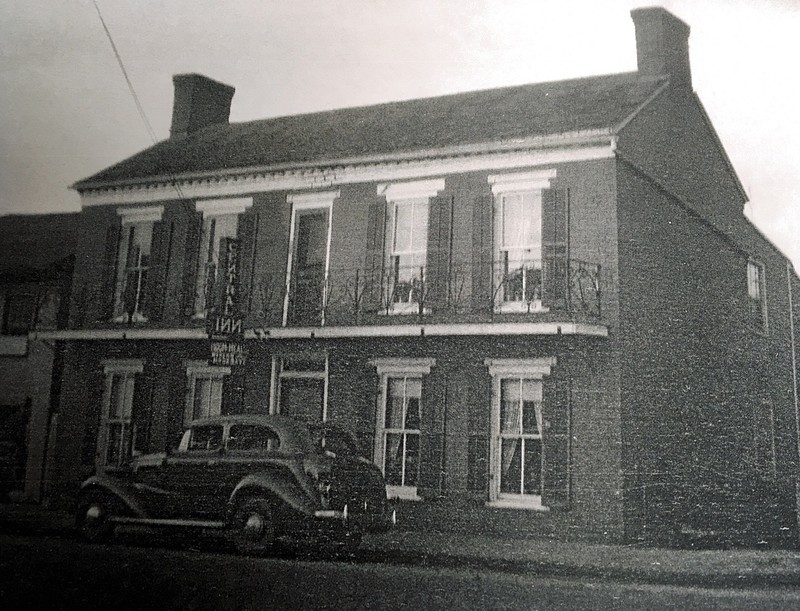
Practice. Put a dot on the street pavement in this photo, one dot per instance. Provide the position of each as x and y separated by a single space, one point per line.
546 557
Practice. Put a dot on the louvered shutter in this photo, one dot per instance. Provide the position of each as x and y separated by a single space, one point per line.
153 298
194 230
438 260
556 420
431 452
373 280
482 213
555 213
142 413
108 286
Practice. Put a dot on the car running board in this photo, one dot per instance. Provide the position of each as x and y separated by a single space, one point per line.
165 522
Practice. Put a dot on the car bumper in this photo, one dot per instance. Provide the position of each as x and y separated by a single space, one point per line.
365 521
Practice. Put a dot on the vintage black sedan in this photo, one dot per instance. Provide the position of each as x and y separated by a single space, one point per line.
264 479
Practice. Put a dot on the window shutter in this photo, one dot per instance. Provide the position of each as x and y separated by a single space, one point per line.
91 429
431 454
194 229
373 264
142 413
246 233
482 213
556 419
105 303
157 272
437 272
555 227
480 401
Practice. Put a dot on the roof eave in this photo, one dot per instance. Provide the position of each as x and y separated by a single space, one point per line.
563 140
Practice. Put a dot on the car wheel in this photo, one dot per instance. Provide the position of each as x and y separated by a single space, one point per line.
94 517
253 526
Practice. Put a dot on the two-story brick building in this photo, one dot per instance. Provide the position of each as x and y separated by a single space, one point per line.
539 308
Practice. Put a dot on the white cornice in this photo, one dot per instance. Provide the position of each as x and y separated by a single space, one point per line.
325 175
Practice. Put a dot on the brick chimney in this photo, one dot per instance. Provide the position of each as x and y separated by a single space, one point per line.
662 45
199 102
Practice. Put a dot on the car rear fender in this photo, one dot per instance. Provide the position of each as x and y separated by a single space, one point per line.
279 484
120 490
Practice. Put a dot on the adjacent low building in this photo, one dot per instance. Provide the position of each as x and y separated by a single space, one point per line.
539 308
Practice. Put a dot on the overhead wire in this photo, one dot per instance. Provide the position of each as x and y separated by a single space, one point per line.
139 107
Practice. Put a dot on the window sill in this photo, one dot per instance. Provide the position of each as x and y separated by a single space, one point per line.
532 503
520 307
403 493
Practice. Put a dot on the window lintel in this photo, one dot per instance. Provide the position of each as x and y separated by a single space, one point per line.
535 180
132 216
218 207
533 368
122 366
418 366
397 191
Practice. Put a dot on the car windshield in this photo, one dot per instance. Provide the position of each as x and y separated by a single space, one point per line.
333 440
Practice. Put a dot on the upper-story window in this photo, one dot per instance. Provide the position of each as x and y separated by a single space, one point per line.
756 296
133 263
518 239
407 243
220 222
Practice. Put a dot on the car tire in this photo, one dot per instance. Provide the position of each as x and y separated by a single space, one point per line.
94 515
253 526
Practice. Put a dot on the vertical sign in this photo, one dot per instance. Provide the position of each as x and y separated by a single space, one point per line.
225 326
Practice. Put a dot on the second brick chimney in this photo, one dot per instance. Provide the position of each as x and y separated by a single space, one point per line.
199 102
662 45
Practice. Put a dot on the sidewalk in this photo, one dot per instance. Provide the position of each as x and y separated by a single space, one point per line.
742 567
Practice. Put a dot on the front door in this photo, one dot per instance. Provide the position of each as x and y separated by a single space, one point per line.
309 262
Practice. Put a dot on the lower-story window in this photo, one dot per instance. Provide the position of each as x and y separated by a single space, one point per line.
117 433
204 390
517 431
397 438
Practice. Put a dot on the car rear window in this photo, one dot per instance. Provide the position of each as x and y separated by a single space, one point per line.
252 437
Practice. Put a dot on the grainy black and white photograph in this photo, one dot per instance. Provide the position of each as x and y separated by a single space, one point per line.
366 304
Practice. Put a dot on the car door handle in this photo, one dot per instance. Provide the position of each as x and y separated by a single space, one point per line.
212 463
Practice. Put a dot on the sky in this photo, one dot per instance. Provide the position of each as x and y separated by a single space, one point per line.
66 111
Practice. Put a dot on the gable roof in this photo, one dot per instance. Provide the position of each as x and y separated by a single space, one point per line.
37 241
491 115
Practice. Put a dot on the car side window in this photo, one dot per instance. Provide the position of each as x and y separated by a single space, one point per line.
207 437
252 437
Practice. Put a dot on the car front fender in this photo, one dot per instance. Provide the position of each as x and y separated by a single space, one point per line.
122 491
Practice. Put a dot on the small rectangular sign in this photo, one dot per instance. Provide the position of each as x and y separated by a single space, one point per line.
227 353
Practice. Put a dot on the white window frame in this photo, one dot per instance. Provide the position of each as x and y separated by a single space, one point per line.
127 370
400 194
137 220
499 370
278 374
388 368
301 202
201 370
505 186
757 291
212 211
